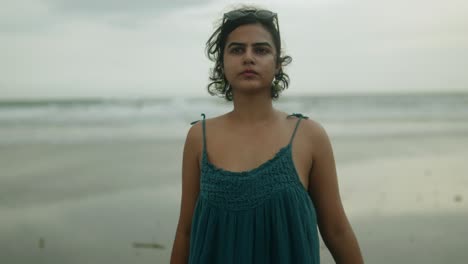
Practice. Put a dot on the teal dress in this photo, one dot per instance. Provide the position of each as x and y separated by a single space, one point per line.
260 216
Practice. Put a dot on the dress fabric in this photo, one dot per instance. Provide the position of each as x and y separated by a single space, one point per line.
260 216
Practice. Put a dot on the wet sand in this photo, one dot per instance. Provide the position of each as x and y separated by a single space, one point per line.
406 198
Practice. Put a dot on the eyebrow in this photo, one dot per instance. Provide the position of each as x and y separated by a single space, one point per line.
255 44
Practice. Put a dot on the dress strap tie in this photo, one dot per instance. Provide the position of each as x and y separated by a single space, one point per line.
300 116
194 122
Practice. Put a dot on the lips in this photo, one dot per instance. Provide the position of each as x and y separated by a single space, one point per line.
249 72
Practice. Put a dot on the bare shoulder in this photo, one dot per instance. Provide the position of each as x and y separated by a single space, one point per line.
195 133
311 126
316 136
194 138
314 130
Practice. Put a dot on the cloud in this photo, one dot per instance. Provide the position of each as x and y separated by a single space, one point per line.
376 46
77 56
120 6
25 16
71 48
121 9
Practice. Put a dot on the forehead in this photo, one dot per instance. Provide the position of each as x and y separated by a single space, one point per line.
250 33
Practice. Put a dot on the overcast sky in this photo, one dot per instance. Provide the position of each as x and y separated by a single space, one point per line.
117 48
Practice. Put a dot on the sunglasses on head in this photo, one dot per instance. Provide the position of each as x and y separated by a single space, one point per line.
260 14
264 15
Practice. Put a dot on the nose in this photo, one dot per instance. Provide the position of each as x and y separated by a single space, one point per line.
249 56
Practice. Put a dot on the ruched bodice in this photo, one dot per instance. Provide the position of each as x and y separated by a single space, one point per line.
246 190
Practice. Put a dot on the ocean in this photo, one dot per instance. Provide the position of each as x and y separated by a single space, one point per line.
89 120
85 181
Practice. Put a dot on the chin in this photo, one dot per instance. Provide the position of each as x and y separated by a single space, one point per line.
250 89
249 85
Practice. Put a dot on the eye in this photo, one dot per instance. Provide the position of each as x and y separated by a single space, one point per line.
262 50
236 50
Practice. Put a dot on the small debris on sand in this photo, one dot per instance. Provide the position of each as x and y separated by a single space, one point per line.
458 198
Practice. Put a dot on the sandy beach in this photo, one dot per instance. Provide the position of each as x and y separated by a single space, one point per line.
406 197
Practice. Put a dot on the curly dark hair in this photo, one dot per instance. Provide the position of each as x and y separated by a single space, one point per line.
215 47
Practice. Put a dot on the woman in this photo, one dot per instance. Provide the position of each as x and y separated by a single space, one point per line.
256 182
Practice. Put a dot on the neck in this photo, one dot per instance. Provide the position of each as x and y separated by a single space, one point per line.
253 109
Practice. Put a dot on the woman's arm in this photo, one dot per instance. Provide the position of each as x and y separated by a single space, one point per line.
333 224
190 191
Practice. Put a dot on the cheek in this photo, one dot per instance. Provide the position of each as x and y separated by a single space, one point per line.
272 68
228 69
271 63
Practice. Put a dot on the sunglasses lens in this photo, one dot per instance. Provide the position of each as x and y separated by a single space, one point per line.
260 14
234 14
264 14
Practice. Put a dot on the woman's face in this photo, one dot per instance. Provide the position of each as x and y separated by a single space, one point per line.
250 47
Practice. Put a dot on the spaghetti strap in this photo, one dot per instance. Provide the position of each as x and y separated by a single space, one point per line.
203 125
204 136
300 116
